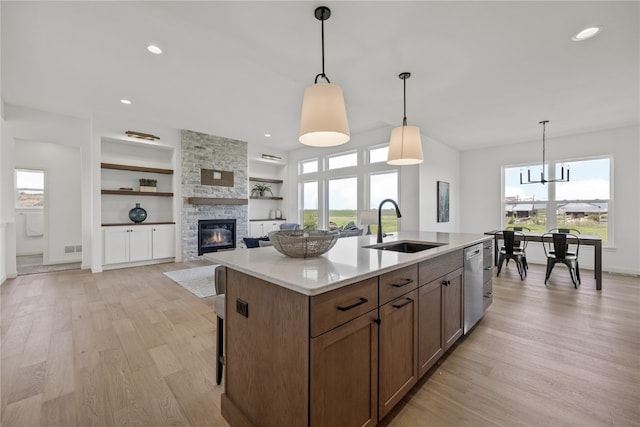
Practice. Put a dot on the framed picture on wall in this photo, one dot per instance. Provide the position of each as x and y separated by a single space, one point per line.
443 201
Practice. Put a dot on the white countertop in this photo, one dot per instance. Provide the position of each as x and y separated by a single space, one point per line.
347 262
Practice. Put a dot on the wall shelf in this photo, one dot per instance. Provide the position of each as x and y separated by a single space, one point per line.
136 193
135 168
133 224
216 201
269 180
266 198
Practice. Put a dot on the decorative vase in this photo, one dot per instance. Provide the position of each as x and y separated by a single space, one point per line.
137 214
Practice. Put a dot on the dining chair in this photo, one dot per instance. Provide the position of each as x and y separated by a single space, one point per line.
511 251
218 309
556 249
518 244
565 231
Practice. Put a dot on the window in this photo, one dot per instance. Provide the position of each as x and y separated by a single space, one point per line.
310 205
336 188
378 154
343 160
343 201
309 166
29 188
384 186
582 203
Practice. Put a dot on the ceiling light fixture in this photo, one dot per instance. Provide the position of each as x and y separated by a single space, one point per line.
271 157
543 180
140 135
125 101
267 135
585 34
154 49
405 146
323 121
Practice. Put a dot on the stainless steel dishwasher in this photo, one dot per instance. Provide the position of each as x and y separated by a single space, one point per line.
473 286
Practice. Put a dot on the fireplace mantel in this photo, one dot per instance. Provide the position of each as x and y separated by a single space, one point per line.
216 201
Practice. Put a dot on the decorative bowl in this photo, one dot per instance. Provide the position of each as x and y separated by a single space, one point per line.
302 243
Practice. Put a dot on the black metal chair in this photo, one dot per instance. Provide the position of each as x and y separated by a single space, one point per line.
511 251
518 244
565 231
556 249
218 309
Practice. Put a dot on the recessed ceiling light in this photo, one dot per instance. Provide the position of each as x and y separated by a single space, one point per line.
585 34
268 135
154 49
125 101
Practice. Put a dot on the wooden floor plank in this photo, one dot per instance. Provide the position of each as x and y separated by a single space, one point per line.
130 347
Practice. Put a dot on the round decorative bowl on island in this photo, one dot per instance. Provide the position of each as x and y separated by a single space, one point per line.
302 243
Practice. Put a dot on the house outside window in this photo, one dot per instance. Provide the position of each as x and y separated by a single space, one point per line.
583 203
29 188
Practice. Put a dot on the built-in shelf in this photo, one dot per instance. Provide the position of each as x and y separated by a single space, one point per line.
216 201
266 198
269 180
268 219
135 168
136 193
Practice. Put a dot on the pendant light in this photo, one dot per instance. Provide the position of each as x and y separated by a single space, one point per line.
323 121
405 146
543 180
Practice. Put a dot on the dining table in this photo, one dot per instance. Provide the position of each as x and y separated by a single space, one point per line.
583 239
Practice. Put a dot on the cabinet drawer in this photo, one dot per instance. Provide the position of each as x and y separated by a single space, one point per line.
487 294
398 282
334 308
431 269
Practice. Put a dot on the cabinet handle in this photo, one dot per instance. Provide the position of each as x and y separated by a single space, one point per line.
488 295
446 282
347 308
377 321
408 301
405 283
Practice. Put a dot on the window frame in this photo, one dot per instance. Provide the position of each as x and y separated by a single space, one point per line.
16 190
552 203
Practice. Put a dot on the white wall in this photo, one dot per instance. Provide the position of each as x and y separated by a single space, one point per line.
62 213
24 124
441 163
481 182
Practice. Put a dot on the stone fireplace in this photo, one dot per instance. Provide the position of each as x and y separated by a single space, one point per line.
201 151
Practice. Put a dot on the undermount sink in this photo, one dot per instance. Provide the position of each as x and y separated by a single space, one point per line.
405 246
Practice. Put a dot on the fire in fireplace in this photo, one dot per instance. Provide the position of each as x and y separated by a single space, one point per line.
215 234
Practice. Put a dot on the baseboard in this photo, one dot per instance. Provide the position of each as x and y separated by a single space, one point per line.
27 253
63 261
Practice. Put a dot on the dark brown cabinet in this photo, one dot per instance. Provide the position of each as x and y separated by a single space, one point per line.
430 342
344 387
398 350
453 308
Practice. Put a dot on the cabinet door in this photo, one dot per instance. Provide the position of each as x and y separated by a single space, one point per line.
116 245
430 340
256 228
164 241
453 307
344 365
272 226
398 369
140 243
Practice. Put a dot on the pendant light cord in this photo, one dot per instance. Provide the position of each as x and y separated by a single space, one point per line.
544 128
404 120
323 75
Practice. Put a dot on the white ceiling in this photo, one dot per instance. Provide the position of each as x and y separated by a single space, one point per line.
483 73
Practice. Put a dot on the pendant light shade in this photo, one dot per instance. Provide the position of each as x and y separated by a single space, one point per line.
405 145
323 120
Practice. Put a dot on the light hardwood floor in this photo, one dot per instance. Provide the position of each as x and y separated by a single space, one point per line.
130 347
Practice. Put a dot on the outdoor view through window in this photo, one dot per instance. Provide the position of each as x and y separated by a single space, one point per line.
581 204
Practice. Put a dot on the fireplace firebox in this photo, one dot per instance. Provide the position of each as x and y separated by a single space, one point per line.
215 234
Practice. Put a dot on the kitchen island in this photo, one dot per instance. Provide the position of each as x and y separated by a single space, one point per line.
337 339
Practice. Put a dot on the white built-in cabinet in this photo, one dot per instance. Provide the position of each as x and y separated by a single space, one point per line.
123 165
262 228
135 243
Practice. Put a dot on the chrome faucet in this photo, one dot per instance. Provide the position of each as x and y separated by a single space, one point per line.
398 214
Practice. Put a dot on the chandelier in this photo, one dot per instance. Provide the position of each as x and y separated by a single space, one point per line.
542 179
